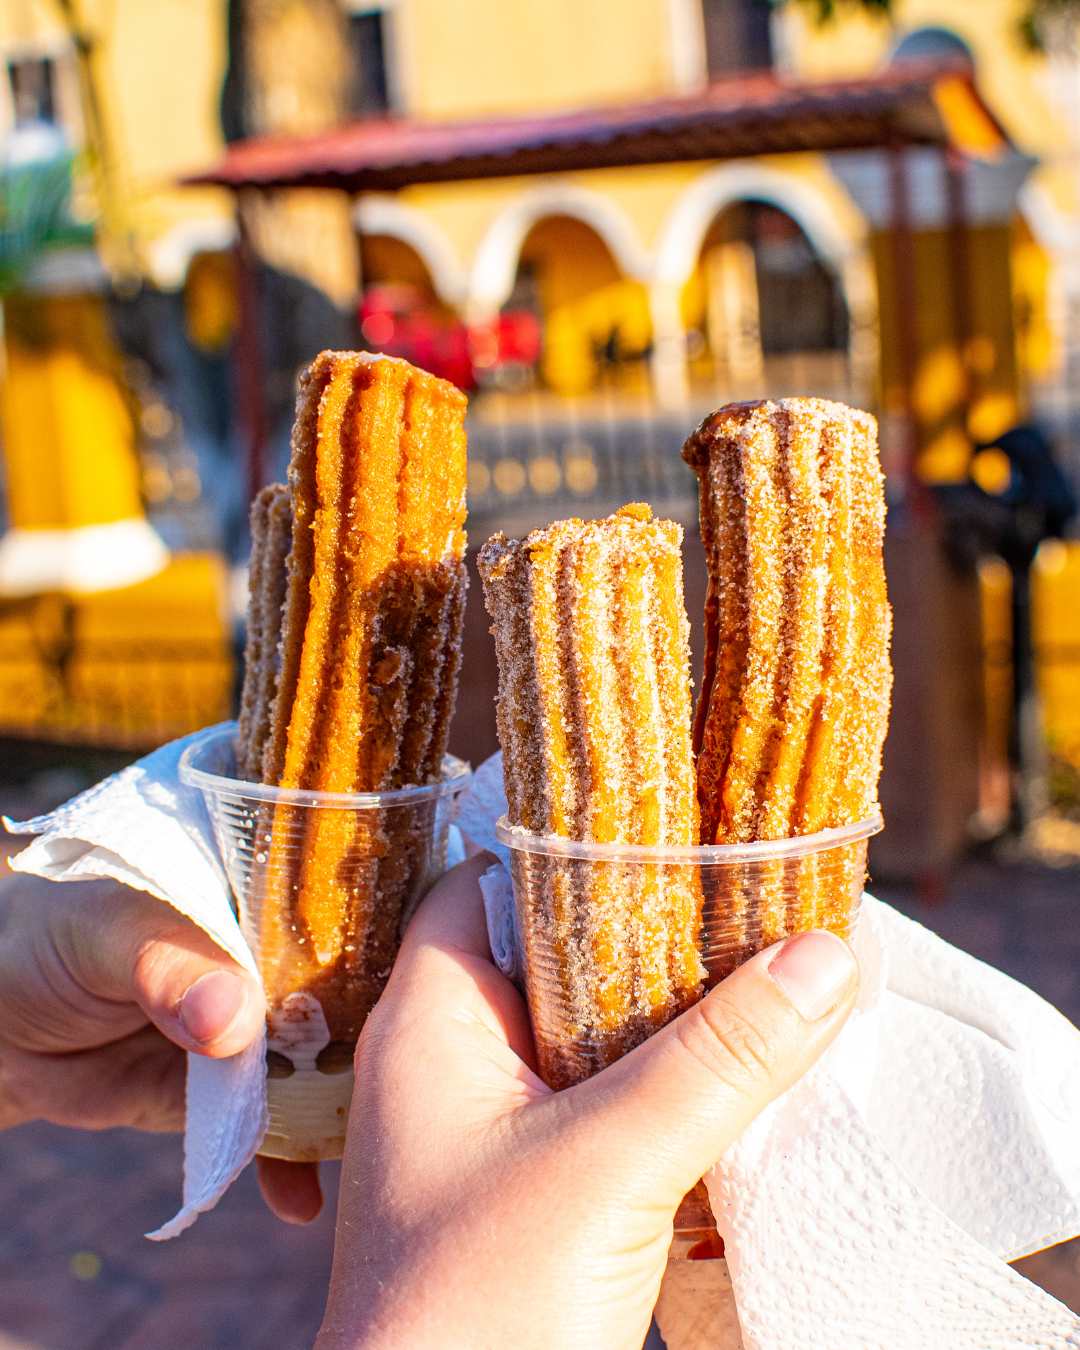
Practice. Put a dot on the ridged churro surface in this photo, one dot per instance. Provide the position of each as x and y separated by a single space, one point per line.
370 654
271 536
794 703
594 720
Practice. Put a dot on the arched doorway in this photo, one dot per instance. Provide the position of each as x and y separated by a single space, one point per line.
763 311
558 294
592 321
403 313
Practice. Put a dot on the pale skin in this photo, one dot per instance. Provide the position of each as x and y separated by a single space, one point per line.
480 1209
98 1001
477 1207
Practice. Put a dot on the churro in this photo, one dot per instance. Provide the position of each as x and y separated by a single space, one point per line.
370 652
594 719
271 536
794 703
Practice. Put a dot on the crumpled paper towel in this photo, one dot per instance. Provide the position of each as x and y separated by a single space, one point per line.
144 828
874 1205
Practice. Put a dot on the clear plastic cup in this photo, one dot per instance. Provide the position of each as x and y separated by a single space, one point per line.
325 941
590 917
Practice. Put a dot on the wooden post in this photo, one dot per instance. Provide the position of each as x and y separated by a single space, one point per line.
248 362
954 169
903 249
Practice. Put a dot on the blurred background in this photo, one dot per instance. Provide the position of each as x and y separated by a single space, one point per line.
602 219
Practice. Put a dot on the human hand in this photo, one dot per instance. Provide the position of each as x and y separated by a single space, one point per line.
478 1208
101 990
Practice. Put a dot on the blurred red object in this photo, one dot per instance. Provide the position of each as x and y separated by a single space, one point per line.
398 320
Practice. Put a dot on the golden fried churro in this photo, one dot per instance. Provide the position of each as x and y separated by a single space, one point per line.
794 704
594 720
271 534
370 651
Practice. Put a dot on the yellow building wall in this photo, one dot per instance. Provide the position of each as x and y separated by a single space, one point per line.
68 435
474 57
995 615
1055 616
384 259
464 212
1032 279
159 67
1013 79
646 194
1017 84
584 301
947 376
125 668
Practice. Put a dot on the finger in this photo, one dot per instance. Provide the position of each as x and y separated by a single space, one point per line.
125 947
452 912
444 979
136 1082
291 1190
664 1114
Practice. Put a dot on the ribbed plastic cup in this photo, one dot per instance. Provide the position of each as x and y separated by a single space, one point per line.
587 912
317 1001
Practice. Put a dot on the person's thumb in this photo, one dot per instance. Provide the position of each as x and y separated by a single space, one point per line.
125 947
664 1114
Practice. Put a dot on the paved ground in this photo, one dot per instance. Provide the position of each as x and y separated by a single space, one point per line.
75 1274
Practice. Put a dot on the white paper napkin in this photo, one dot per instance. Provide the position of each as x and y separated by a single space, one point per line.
144 828
874 1206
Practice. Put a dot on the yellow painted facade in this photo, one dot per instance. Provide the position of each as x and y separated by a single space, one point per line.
1056 624
612 250
1030 95
137 664
1018 83
68 436
158 68
960 393
520 59
583 304
131 667
483 57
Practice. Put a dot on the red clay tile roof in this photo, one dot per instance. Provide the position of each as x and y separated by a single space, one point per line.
751 115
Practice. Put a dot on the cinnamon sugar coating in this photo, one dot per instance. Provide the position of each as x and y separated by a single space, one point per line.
370 652
794 704
271 536
594 720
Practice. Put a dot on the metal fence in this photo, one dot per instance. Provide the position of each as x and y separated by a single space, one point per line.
534 457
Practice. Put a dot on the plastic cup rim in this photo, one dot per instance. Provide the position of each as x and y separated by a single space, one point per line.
456 774
519 839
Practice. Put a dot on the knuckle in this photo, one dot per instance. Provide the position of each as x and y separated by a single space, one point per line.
150 957
727 1042
160 950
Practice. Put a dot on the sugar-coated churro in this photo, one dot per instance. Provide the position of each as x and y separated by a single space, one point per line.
594 720
370 652
271 535
794 704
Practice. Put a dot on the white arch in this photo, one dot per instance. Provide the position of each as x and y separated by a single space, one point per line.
495 264
684 233
697 208
171 255
384 215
